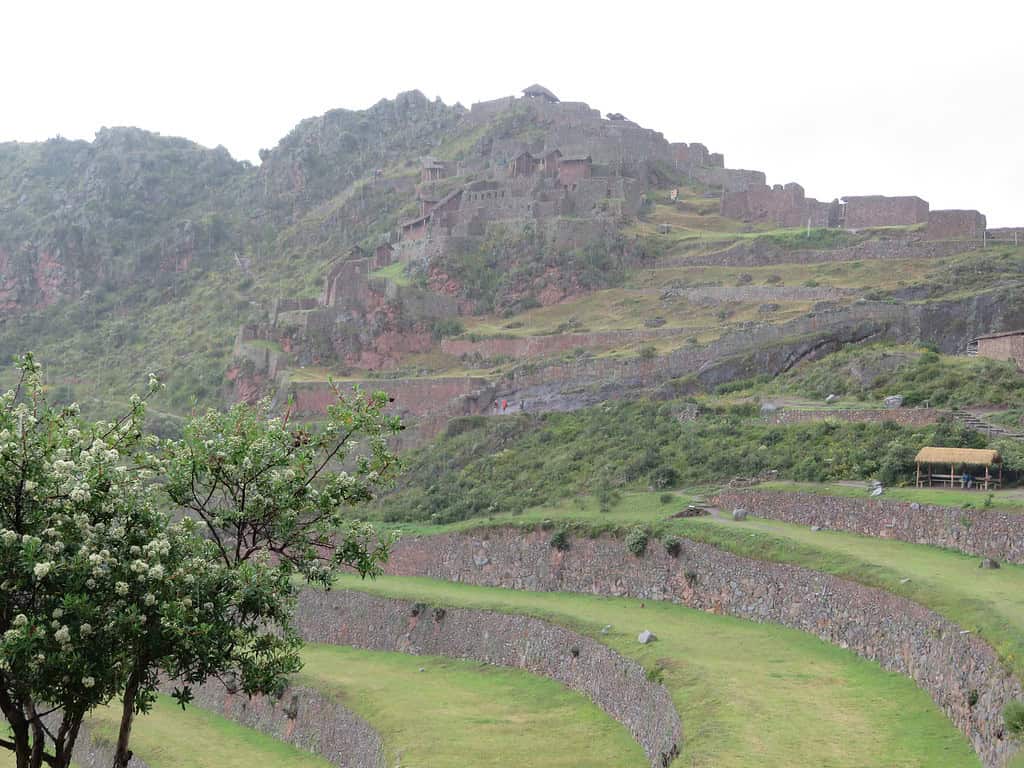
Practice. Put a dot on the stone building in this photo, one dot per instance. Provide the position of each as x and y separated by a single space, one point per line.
574 168
432 169
1008 345
955 225
881 211
782 205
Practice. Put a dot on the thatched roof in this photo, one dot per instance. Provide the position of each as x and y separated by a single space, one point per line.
974 456
536 90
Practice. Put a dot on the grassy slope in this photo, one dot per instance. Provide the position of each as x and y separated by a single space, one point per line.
990 603
747 693
457 712
196 738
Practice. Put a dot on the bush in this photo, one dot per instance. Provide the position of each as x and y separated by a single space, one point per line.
636 541
666 498
648 353
560 540
444 327
673 546
1013 716
665 476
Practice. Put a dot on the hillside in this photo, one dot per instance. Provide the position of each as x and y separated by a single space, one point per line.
525 251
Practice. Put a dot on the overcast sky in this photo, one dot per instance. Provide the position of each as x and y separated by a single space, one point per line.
847 98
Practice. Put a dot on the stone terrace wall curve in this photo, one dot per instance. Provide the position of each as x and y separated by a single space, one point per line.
902 636
913 417
303 717
616 684
981 532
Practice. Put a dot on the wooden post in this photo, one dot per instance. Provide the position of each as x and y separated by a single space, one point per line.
952 473
986 477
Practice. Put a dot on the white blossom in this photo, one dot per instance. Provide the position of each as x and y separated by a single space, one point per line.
62 635
41 570
121 588
88 682
20 620
85 630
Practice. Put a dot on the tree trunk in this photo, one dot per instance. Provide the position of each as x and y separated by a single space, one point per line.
123 755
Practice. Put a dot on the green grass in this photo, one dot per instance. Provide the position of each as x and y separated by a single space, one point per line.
989 603
458 713
1007 500
196 738
395 273
748 694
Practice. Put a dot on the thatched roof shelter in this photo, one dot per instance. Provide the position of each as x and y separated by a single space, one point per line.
976 457
930 457
538 91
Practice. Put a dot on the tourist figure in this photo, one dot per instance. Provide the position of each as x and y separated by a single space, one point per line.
965 480
504 405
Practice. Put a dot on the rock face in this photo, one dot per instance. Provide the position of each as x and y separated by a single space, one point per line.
77 216
617 685
983 532
961 672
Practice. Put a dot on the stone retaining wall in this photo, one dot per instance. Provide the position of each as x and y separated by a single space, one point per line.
617 685
960 671
762 252
303 717
981 532
909 417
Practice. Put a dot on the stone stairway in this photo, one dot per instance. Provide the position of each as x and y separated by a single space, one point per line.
976 422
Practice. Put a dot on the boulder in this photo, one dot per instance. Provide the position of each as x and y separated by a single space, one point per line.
646 637
831 399
739 514
877 490
989 564
893 401
606 629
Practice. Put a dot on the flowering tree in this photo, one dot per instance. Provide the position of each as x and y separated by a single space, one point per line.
100 594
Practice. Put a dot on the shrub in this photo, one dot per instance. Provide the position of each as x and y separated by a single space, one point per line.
666 498
673 546
1013 716
648 353
636 541
665 476
560 540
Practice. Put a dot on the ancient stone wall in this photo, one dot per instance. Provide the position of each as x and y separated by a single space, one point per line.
784 206
881 211
729 179
92 751
413 397
981 532
955 225
303 717
1007 346
909 417
759 253
617 685
960 671
542 346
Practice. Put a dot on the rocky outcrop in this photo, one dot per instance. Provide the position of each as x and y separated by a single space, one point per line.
617 685
961 672
982 532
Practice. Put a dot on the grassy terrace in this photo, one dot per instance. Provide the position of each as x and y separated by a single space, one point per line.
1006 500
990 603
455 710
746 692
434 719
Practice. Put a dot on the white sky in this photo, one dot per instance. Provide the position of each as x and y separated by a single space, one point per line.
854 97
